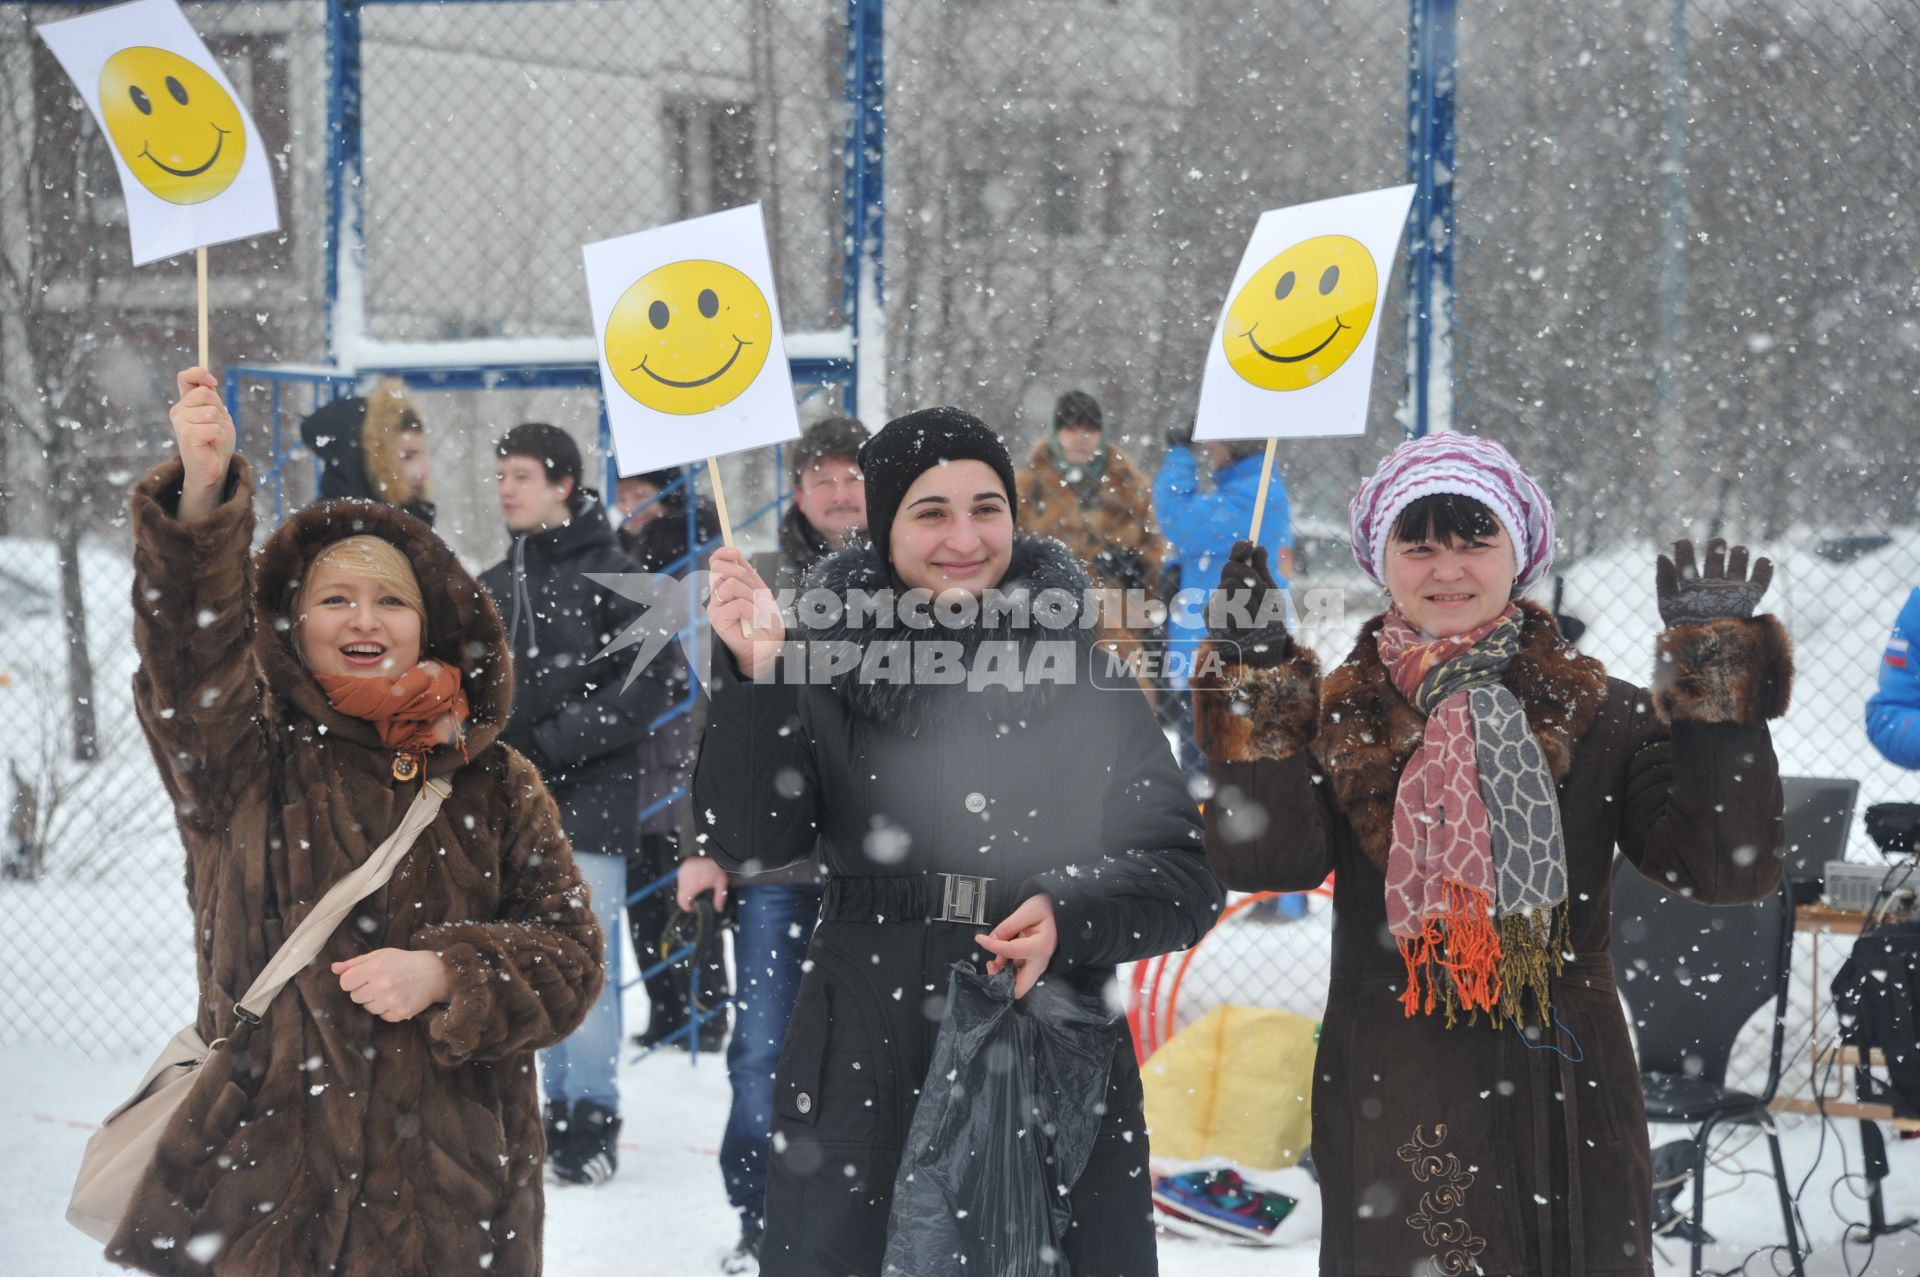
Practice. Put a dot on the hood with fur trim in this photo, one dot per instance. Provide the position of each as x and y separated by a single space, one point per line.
462 627
1038 565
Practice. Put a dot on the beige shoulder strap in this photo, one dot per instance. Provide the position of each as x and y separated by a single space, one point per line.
311 935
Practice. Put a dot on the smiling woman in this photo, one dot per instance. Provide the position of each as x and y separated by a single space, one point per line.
293 717
1467 777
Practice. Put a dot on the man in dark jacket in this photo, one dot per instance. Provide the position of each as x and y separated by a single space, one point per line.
776 909
584 727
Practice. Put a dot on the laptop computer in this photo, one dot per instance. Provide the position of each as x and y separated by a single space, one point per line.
1818 817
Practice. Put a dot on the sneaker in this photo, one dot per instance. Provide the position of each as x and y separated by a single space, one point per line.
745 1256
1225 1201
590 1154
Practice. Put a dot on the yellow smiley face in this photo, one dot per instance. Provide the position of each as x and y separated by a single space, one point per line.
176 129
689 336
1302 314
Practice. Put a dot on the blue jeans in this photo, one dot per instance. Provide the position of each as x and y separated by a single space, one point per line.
769 944
583 1066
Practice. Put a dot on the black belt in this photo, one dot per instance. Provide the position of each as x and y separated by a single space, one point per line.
934 897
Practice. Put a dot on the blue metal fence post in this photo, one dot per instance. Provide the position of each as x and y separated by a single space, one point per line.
346 197
1432 68
864 197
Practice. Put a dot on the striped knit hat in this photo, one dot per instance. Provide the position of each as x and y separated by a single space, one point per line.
1464 465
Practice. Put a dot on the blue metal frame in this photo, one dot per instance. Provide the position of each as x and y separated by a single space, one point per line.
346 200
1433 63
864 176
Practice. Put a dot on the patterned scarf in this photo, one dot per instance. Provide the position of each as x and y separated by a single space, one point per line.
1477 874
407 709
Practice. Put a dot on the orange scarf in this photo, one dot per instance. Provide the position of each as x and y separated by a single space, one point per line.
407 710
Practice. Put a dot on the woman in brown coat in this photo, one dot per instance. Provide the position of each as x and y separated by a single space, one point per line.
1466 776
381 1118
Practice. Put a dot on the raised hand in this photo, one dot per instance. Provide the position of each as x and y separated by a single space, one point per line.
1247 583
1722 590
736 598
205 434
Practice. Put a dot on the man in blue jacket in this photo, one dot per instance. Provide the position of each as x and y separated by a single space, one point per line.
1893 712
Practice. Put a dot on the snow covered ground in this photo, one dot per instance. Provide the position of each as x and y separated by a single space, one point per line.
665 1215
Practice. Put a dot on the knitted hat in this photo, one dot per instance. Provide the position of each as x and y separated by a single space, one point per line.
1464 465
914 444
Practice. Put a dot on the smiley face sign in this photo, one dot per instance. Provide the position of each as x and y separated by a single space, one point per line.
177 130
692 361
1292 355
689 336
1303 314
190 166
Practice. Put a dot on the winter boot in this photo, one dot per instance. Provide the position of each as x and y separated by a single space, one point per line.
591 1152
745 1256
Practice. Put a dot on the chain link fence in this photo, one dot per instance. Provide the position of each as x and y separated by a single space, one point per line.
1684 295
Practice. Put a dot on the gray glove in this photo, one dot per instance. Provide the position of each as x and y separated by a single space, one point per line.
1723 591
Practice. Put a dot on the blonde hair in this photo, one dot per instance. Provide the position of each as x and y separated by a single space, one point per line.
389 415
366 556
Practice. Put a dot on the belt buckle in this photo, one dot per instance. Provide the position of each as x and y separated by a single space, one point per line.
964 900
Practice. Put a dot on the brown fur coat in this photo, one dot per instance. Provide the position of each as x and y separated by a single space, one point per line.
327 1140
1469 1148
1121 516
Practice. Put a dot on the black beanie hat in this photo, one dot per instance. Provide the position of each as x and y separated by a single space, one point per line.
911 445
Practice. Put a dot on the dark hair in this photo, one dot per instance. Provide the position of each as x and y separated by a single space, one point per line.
828 439
551 446
1077 407
1445 517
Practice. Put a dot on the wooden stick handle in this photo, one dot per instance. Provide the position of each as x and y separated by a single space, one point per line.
1260 500
200 260
726 520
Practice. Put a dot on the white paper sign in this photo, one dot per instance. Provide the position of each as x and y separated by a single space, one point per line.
692 361
1292 354
192 166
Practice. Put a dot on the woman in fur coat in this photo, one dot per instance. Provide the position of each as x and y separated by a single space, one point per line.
1037 823
1466 776
381 1117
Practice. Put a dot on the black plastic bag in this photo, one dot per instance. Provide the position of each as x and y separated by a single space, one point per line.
1007 1118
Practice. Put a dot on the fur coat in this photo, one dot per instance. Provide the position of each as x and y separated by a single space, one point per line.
1472 1148
327 1140
1114 534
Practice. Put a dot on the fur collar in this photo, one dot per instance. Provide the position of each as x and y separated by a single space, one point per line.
1368 731
1038 564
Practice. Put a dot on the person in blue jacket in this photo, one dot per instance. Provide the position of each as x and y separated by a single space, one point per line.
1893 712
1201 526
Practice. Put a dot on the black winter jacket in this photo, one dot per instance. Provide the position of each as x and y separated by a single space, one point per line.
1068 789
570 714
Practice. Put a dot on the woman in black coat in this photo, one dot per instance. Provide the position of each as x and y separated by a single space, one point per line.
1019 816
